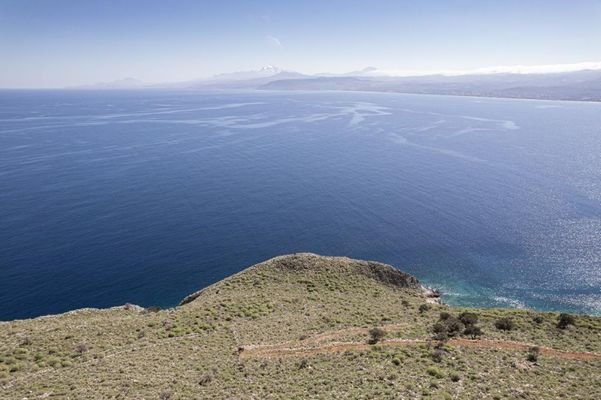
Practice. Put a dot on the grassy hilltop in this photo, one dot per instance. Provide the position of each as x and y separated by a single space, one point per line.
303 326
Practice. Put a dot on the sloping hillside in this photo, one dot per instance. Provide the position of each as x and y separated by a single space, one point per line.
302 326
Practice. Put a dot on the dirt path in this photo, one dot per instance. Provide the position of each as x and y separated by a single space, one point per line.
507 345
270 351
285 350
327 336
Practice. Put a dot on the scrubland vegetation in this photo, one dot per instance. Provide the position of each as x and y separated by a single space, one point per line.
301 327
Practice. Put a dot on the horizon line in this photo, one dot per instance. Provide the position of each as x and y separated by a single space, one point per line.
372 72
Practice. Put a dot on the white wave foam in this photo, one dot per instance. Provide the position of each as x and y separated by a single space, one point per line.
514 303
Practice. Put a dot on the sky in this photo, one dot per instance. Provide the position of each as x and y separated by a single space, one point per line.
61 43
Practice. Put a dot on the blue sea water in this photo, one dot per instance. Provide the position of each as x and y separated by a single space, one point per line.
146 196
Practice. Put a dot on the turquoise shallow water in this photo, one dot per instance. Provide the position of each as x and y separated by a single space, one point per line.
144 197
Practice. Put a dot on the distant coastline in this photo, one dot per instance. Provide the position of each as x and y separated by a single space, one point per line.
477 96
266 89
571 85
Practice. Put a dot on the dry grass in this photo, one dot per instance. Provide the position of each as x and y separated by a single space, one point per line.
192 351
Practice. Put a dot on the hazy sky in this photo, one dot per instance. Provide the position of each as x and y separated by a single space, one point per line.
69 42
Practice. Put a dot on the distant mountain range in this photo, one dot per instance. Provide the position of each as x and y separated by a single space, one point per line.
580 85
584 85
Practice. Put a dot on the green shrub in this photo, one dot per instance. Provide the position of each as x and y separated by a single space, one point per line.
565 320
53 361
81 348
439 327
533 353
468 318
424 307
437 355
473 331
454 327
375 335
20 353
450 326
16 367
205 379
505 324
435 372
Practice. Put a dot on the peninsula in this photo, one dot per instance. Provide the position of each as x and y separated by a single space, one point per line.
298 327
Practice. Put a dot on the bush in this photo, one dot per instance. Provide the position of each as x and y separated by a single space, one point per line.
538 319
505 324
437 355
444 316
165 396
16 367
375 335
473 331
205 379
565 320
440 330
533 353
468 318
454 327
81 348
449 326
435 372
439 327
53 361
20 353
423 308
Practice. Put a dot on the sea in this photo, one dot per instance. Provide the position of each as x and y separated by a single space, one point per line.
113 197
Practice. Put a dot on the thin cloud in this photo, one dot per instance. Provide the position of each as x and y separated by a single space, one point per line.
512 69
274 41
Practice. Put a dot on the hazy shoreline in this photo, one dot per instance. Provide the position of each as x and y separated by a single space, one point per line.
266 90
